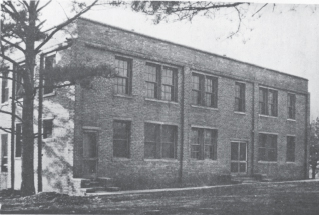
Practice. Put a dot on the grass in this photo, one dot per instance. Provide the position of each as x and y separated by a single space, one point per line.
263 199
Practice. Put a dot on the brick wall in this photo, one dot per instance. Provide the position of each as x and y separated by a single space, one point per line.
98 44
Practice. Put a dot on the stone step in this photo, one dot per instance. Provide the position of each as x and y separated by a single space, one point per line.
112 189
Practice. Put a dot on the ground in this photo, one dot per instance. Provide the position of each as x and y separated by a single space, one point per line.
286 198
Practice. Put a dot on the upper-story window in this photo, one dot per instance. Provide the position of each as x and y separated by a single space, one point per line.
268 102
123 77
204 90
4 88
19 82
48 85
240 97
291 106
161 82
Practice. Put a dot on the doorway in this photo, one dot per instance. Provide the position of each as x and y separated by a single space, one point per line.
238 158
89 166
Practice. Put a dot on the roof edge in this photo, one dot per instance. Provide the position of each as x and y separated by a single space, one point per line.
189 47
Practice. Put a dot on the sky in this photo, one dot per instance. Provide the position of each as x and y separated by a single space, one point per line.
282 39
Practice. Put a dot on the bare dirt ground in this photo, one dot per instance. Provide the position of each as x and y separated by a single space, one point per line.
256 199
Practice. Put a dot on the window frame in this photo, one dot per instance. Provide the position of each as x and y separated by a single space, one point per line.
202 100
242 97
128 78
267 107
161 85
157 83
291 106
4 88
128 138
268 138
291 152
159 140
201 144
4 153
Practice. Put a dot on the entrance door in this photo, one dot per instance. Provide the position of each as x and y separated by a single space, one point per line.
238 157
89 166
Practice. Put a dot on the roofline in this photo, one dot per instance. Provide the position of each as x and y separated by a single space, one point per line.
189 47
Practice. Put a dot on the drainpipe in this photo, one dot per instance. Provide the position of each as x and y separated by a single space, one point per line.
307 112
13 108
253 131
182 128
40 124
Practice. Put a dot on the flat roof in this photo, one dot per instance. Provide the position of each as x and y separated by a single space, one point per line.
188 47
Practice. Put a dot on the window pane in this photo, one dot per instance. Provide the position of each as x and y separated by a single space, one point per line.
195 148
149 150
167 93
47 128
291 149
262 154
168 141
234 151
150 90
234 167
196 97
196 82
208 85
121 139
242 151
167 76
242 167
151 73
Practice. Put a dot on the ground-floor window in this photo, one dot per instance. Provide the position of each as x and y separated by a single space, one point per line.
18 140
267 147
4 152
121 139
290 149
160 141
204 144
47 128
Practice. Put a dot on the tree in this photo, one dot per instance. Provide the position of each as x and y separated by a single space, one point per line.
21 30
314 146
238 13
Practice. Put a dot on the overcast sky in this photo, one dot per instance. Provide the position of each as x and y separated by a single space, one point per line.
283 40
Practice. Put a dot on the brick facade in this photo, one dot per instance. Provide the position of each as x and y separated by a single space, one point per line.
98 108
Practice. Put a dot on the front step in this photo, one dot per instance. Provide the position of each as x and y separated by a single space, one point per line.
97 185
250 179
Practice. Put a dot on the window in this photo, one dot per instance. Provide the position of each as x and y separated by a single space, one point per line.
268 102
48 84
5 88
152 81
204 144
123 76
18 139
4 153
239 97
19 82
291 106
160 141
121 139
161 82
47 128
204 90
290 149
267 147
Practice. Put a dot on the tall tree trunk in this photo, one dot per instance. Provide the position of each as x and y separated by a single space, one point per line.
27 186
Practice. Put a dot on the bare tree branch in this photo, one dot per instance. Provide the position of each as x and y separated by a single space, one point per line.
260 9
13 44
59 27
38 10
6 112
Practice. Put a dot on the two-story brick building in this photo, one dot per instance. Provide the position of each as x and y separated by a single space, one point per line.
171 111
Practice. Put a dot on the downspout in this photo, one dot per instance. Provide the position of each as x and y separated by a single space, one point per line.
182 128
306 136
40 124
253 131
13 108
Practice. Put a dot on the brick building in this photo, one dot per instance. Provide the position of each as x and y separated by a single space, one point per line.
172 110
